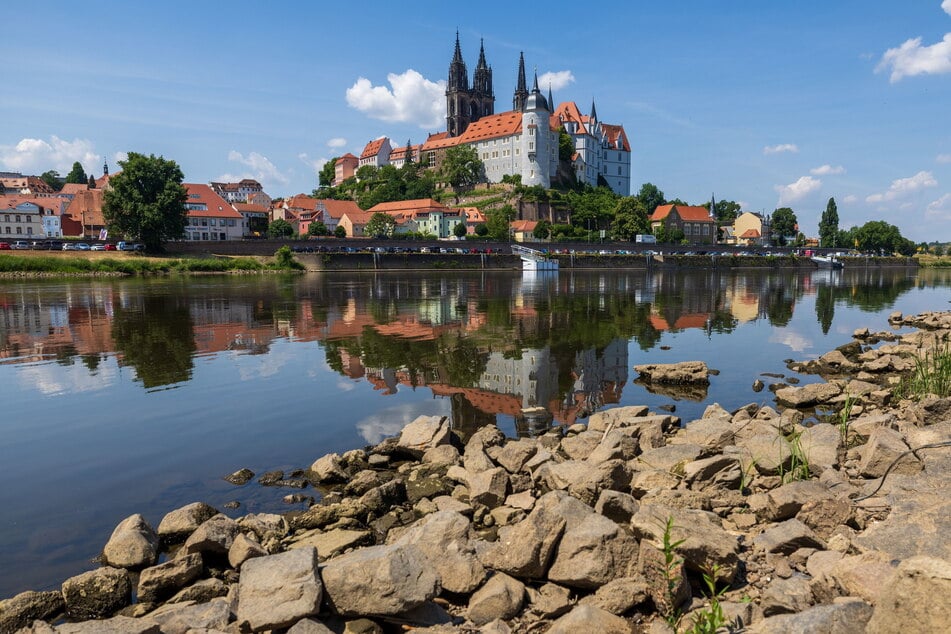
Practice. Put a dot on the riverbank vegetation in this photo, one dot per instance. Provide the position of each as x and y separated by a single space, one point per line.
121 265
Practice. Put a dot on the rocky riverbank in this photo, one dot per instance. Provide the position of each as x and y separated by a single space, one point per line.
634 522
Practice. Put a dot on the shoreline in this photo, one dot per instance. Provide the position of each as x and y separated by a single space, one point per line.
543 515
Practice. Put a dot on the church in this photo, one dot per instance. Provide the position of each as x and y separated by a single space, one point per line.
524 140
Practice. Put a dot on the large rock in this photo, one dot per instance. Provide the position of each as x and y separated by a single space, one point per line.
807 395
443 538
588 618
593 552
785 501
133 544
489 488
424 433
177 525
784 596
242 549
525 549
161 581
214 536
514 454
379 581
710 433
686 372
884 446
917 600
620 595
846 616
671 458
617 444
820 445
181 618
278 590
328 468
333 542
500 598
97 594
705 544
26 607
787 537
115 625
864 576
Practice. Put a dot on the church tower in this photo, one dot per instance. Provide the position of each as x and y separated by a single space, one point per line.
465 105
536 140
521 92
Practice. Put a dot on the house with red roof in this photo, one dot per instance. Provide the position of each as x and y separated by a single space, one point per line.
239 192
354 222
330 212
602 150
25 217
749 229
398 155
376 153
345 167
254 219
210 217
695 222
83 216
423 215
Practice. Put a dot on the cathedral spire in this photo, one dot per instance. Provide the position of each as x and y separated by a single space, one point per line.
457 57
482 63
594 113
521 91
551 100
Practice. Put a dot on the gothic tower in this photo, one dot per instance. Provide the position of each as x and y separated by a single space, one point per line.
536 140
465 105
521 92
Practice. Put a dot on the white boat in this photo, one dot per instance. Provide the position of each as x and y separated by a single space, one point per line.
534 260
827 262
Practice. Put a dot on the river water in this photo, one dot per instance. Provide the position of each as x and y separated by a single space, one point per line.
138 396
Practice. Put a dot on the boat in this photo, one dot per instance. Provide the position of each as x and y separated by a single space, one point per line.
534 260
827 262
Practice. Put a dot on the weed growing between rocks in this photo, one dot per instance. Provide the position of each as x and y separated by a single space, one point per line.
843 420
932 374
798 461
710 620
671 575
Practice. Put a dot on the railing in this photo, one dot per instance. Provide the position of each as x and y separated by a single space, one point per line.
530 254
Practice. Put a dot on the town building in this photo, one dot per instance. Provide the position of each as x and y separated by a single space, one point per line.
345 167
210 217
354 222
423 215
239 192
330 212
254 219
695 222
24 217
83 217
16 183
398 155
749 229
376 153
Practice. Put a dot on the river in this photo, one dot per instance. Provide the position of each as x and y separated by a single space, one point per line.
139 395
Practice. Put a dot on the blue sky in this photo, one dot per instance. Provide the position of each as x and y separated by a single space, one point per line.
766 103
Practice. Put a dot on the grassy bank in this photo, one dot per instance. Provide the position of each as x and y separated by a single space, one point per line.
935 261
49 264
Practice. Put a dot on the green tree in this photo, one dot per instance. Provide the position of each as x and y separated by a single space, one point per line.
53 179
630 219
327 173
542 230
317 229
651 197
409 153
146 200
829 225
461 166
92 182
280 228
726 211
77 174
482 230
340 232
498 222
783 225
878 236
380 225
566 146
460 230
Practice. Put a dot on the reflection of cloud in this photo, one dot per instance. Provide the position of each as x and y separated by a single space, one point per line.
259 366
795 341
52 379
346 386
391 421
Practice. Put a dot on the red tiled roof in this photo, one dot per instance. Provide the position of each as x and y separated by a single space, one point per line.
348 155
250 207
613 133
493 126
217 207
302 201
337 208
357 216
524 226
687 213
372 148
750 233
55 203
409 206
568 111
74 188
440 140
472 214
86 208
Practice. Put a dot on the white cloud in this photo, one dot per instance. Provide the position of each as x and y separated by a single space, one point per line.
826 170
782 147
120 156
336 142
851 198
939 209
557 80
794 191
413 99
911 58
259 168
943 158
946 5
35 156
315 164
903 186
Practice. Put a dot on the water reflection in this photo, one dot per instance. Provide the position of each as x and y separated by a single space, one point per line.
490 343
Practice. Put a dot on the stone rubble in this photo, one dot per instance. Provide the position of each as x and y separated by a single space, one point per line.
565 532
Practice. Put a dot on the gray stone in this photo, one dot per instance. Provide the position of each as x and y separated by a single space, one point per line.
619 595
616 417
265 526
213 536
549 601
864 575
616 506
705 544
182 522
278 590
328 468
588 618
843 617
240 477
672 458
515 454
884 446
710 433
242 549
424 433
500 598
825 515
181 618
807 395
617 444
685 372
489 488
379 581
441 455
721 471
785 501
787 537
333 542
309 626
133 544
97 594
524 550
115 625
820 445
443 539
592 552
26 607
161 581
917 600
201 591
784 596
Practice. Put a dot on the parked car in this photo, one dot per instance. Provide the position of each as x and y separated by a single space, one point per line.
20 244
122 245
97 247
109 247
82 246
4 246
69 246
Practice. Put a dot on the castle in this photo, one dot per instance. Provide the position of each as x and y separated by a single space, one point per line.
522 141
